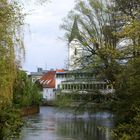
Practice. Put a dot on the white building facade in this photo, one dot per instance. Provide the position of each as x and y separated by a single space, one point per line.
48 94
47 81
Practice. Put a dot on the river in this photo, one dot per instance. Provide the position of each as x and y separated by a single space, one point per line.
58 124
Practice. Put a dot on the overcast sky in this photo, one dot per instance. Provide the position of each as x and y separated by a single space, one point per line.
43 48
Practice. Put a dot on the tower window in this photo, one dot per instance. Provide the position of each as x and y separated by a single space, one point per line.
75 51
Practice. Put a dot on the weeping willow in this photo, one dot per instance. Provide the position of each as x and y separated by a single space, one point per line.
11 46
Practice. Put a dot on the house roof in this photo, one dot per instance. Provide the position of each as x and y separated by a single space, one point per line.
60 72
48 79
57 71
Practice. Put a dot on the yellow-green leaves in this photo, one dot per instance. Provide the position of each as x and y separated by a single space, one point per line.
11 24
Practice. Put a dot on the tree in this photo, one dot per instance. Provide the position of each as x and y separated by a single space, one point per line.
128 95
25 93
10 122
128 101
11 46
96 33
127 18
11 22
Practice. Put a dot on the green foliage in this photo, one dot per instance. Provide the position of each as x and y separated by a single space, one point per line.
11 46
128 101
63 101
11 22
129 130
25 93
128 81
10 122
81 101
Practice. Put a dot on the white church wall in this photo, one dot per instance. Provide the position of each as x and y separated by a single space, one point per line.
75 52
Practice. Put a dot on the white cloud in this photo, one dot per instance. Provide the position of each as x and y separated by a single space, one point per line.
42 44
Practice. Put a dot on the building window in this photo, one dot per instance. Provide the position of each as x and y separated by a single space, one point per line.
75 51
94 86
68 86
72 87
98 86
80 87
91 87
105 86
84 86
58 86
87 86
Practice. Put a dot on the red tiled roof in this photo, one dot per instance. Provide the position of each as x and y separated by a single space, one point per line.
60 70
48 79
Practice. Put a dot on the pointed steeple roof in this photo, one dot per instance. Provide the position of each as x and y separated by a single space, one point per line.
74 31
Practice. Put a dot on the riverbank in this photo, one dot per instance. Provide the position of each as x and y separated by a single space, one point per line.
26 111
49 103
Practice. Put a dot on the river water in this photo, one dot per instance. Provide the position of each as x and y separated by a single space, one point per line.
59 124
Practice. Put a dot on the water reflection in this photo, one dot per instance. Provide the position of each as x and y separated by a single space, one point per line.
55 124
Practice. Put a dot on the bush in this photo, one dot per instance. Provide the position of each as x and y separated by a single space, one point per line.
10 122
25 93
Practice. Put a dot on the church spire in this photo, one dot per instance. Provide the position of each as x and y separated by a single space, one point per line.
74 31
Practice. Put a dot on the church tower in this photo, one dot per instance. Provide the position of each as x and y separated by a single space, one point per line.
74 48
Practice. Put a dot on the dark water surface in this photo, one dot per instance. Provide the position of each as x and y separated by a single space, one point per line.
55 124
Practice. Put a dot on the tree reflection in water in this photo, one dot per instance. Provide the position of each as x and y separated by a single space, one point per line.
61 124
86 129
